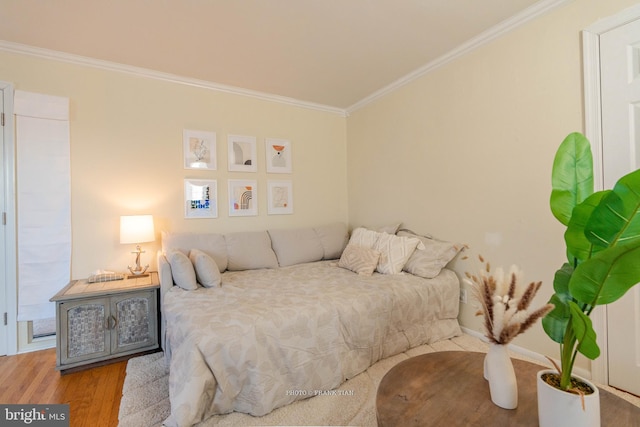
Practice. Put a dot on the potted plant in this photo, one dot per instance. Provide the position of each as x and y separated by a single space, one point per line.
603 263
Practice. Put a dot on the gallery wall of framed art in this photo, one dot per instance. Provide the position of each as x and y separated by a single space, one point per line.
204 190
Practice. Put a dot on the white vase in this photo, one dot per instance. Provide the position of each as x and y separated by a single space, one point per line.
498 371
561 408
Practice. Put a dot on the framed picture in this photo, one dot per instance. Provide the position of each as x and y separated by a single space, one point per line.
242 153
280 197
200 198
199 149
243 197
278 155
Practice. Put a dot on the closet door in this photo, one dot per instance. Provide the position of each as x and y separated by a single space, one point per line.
620 89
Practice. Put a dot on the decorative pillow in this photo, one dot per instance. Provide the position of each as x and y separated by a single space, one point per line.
359 259
334 239
390 229
250 250
364 237
207 272
212 244
395 252
182 270
295 246
429 261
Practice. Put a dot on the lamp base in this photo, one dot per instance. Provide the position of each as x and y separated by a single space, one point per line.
135 276
138 271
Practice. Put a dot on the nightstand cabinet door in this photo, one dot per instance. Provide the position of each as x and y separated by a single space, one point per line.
100 321
85 333
134 321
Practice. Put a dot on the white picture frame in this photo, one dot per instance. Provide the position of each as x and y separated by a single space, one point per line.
199 149
279 197
242 153
243 197
200 198
278 155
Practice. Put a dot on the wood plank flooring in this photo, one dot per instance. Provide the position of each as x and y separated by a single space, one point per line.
93 394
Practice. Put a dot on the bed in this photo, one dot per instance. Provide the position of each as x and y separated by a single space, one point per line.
267 337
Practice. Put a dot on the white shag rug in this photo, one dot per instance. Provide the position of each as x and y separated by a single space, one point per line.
145 394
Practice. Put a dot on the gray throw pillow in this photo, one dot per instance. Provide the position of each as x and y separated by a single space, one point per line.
429 261
207 272
182 270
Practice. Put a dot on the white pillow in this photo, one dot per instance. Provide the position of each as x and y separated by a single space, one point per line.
395 252
207 271
182 270
359 260
364 237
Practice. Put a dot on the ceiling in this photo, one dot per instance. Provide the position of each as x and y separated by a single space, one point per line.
333 53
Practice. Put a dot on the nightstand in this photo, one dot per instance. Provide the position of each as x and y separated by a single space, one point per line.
96 322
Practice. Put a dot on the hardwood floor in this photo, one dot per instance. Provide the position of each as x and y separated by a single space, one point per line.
93 394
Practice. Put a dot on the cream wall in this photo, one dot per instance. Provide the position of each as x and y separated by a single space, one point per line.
126 155
465 152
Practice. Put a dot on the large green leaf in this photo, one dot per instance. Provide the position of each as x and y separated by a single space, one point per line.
585 334
578 245
572 176
606 276
616 220
555 322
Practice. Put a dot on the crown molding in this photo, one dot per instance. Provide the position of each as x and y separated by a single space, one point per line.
538 9
22 49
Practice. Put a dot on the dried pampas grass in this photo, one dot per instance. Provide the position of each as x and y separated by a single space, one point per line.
504 305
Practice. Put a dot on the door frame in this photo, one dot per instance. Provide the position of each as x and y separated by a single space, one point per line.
593 131
8 282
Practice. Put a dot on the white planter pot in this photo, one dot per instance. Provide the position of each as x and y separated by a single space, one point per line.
557 408
498 371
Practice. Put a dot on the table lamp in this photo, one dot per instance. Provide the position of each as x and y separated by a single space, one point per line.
137 229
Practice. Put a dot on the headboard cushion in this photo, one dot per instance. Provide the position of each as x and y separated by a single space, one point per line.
296 246
249 250
211 244
334 238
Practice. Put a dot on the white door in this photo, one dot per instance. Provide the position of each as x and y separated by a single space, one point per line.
3 269
620 85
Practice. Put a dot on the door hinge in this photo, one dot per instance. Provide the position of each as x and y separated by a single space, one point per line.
4 218
2 118
6 319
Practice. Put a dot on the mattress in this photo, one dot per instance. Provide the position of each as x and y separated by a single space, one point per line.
266 338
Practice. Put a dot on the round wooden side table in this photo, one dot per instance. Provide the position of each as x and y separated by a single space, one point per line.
448 389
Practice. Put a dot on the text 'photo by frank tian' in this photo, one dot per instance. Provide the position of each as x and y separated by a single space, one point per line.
505 304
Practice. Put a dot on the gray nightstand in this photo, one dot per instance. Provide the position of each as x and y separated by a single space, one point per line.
96 322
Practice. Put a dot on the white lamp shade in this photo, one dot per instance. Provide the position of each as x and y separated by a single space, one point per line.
137 229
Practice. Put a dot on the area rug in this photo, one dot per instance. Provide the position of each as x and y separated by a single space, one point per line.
145 394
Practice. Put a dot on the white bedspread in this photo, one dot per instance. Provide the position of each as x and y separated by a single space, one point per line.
266 338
